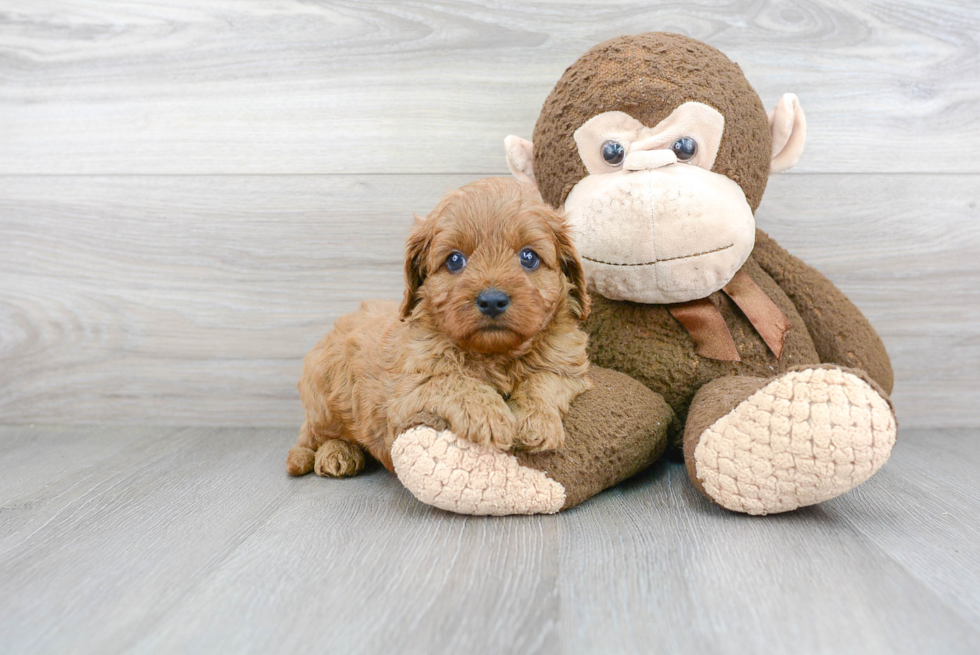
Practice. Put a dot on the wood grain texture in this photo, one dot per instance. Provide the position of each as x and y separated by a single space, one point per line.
924 516
188 300
181 87
195 540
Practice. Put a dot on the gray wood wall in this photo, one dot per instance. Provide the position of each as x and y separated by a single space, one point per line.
191 192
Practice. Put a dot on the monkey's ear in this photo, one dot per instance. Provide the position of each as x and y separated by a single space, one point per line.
520 159
416 252
787 124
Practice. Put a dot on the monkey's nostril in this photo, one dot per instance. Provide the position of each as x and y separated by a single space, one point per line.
492 302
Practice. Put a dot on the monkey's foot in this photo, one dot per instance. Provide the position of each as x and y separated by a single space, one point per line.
803 438
454 474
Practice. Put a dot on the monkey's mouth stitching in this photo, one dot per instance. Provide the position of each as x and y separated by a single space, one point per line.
658 261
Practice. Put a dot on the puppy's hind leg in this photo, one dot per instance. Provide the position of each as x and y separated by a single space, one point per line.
338 458
320 449
305 456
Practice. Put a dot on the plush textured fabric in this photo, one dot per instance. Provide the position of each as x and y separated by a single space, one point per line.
647 76
456 475
787 124
802 438
693 119
613 431
610 217
840 333
710 403
650 345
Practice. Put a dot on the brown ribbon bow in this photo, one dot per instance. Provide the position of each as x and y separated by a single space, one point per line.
704 322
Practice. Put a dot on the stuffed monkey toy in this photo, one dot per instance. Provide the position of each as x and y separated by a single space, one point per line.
750 364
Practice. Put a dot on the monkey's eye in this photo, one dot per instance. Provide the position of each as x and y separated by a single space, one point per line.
529 259
685 148
455 262
613 153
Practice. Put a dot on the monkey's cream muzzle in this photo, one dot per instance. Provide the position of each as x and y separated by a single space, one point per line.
649 227
671 234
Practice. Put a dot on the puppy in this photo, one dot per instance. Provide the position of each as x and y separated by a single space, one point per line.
486 341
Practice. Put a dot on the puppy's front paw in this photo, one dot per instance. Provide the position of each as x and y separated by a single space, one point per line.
539 430
488 425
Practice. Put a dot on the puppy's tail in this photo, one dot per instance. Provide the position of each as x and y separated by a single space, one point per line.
300 460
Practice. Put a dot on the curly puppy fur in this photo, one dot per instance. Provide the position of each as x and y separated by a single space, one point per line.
498 380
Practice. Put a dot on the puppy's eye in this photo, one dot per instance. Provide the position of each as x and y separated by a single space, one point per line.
613 153
529 259
455 262
685 148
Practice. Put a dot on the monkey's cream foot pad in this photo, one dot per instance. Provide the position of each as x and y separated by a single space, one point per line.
453 474
804 438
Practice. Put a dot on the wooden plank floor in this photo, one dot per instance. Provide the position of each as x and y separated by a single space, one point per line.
194 540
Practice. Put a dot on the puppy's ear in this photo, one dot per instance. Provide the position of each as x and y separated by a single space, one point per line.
571 265
416 252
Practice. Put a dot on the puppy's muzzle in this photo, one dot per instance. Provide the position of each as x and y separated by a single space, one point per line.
492 302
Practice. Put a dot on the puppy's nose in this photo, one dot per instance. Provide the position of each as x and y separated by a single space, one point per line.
492 302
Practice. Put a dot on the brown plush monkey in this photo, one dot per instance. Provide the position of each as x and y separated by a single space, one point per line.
765 376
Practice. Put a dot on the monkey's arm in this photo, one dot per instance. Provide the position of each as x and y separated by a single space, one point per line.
614 430
841 334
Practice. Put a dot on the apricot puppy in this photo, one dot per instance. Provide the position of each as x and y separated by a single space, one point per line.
486 341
